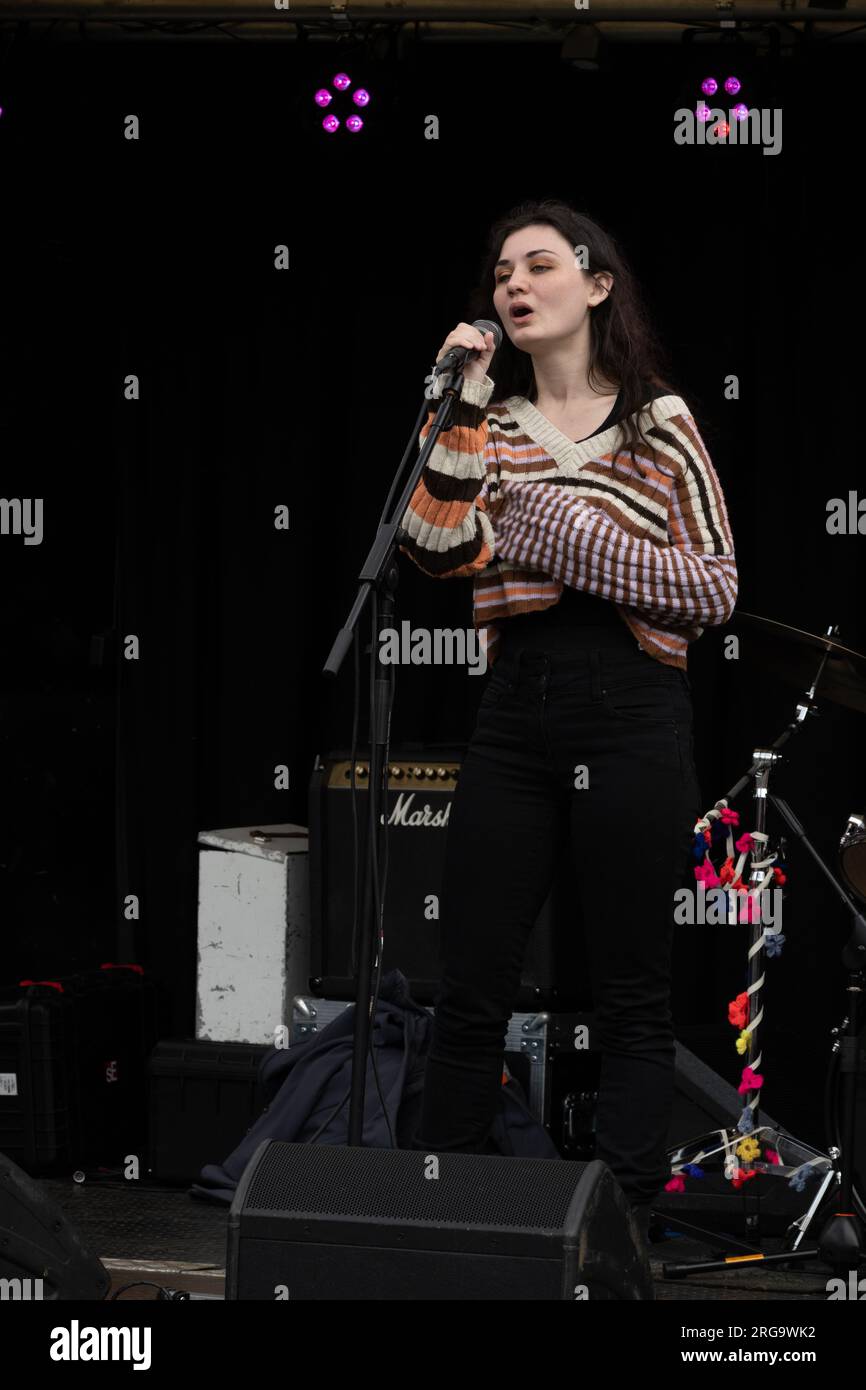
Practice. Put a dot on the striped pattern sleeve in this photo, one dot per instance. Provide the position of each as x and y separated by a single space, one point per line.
691 580
447 527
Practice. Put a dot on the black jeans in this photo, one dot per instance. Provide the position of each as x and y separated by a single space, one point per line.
561 701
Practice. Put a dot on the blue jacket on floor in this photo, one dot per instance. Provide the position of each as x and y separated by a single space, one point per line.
306 1087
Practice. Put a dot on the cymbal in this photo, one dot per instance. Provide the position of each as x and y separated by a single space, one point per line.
790 653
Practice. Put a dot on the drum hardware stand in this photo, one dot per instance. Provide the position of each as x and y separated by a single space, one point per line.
841 1242
840 1238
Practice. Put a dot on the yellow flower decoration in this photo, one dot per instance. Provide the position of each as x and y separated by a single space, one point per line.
748 1149
743 1041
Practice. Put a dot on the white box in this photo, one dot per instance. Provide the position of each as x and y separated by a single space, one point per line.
253 930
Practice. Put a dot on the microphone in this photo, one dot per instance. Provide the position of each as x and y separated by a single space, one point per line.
456 357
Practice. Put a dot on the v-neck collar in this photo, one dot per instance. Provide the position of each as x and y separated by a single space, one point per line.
570 455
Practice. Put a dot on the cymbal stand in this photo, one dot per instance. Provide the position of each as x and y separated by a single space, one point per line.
841 1243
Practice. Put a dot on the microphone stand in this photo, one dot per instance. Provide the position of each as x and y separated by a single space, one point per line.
378 581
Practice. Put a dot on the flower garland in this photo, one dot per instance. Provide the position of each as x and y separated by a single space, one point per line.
720 823
717 825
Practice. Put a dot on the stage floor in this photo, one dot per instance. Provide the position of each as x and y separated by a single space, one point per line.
162 1235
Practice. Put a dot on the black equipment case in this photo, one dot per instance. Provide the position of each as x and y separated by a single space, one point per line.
73 1058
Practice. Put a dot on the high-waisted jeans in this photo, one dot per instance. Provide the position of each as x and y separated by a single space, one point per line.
581 737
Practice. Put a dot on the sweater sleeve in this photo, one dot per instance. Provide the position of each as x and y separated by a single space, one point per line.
447 524
691 580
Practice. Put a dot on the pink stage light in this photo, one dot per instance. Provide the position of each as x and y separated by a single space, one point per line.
361 97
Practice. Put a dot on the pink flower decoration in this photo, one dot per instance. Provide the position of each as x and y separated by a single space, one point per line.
752 1081
706 874
676 1184
745 844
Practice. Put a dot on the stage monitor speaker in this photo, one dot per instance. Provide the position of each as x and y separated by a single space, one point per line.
41 1256
313 1222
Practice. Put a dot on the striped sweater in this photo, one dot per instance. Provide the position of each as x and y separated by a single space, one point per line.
509 501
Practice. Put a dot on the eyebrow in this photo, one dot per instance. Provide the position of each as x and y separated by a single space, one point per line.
542 251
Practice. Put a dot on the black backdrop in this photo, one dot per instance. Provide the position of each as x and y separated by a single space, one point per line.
261 387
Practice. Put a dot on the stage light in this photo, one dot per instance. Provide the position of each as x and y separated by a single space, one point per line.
361 97
704 112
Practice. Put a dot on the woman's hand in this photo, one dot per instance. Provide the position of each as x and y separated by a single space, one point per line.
464 335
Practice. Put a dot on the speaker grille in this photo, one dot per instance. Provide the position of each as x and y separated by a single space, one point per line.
381 1184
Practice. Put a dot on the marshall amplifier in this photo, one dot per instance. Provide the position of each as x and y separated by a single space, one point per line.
421 783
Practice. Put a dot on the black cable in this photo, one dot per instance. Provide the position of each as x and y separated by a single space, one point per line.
137 1284
379 891
378 897
356 860
371 1050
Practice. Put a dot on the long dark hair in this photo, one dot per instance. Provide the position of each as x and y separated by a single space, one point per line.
623 345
